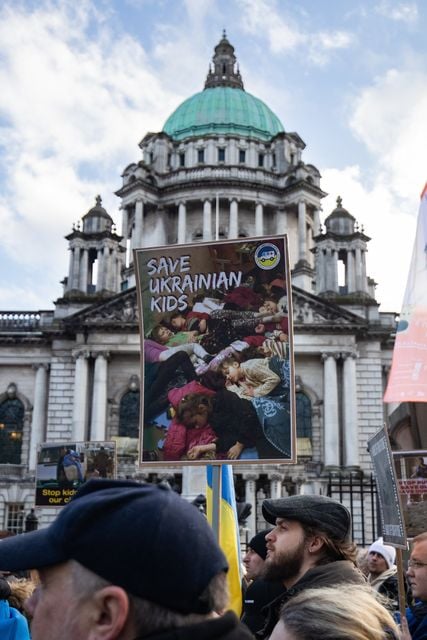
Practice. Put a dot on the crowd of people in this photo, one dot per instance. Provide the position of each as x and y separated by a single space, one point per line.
235 346
159 574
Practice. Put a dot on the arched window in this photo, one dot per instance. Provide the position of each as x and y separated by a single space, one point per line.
304 424
129 414
11 427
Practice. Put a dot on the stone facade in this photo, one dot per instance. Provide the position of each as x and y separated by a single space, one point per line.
72 366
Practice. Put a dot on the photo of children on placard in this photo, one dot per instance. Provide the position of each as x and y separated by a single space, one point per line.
411 471
63 466
217 364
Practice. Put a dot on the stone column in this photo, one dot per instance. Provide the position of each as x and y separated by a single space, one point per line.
70 270
331 421
316 222
358 269
281 221
207 220
250 498
182 223
99 397
351 435
38 423
112 271
364 282
83 271
76 268
80 401
259 219
351 276
125 222
99 279
276 480
138 230
106 262
233 230
302 239
320 270
193 482
331 270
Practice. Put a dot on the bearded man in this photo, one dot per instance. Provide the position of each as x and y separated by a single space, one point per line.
308 547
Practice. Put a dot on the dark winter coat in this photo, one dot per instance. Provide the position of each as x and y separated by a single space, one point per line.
325 575
258 594
226 627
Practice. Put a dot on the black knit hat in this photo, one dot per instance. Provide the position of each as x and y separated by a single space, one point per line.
320 512
258 543
142 537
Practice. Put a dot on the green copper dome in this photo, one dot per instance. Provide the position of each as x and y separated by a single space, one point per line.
223 110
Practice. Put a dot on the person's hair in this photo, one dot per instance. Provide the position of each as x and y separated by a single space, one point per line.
333 549
229 360
422 537
4 589
21 589
191 403
347 612
155 331
148 617
176 314
213 380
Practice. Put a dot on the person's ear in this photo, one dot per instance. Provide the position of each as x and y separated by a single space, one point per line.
109 614
236 365
315 543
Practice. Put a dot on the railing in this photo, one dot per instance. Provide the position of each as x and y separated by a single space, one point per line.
220 173
13 471
359 494
24 320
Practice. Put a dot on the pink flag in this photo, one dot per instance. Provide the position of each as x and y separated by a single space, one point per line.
408 376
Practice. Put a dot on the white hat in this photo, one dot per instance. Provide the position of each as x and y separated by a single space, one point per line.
385 550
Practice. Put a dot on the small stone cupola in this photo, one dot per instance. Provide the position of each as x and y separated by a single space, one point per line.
96 256
225 73
340 221
341 257
97 219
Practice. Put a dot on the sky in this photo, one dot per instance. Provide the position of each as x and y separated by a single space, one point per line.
83 82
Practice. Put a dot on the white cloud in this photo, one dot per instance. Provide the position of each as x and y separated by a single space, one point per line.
265 16
389 118
75 100
391 229
398 11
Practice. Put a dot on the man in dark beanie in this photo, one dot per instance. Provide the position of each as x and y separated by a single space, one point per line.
124 561
310 546
259 591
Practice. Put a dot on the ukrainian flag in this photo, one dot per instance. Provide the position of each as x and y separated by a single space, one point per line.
229 540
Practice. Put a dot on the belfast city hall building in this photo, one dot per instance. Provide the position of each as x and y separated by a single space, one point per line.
222 167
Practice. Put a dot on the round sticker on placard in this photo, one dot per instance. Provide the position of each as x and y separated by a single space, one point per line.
267 256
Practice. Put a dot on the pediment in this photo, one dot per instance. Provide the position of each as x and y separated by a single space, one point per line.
121 311
309 310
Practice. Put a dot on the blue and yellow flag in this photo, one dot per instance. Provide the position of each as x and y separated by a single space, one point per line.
228 532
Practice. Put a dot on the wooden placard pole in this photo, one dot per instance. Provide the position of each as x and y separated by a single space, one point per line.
400 583
216 499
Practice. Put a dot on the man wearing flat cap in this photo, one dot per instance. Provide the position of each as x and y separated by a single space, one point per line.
310 546
259 592
124 561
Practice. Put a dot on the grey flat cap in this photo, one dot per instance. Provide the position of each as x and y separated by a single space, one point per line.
320 512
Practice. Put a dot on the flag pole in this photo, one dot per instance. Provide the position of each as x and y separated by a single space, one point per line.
217 217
